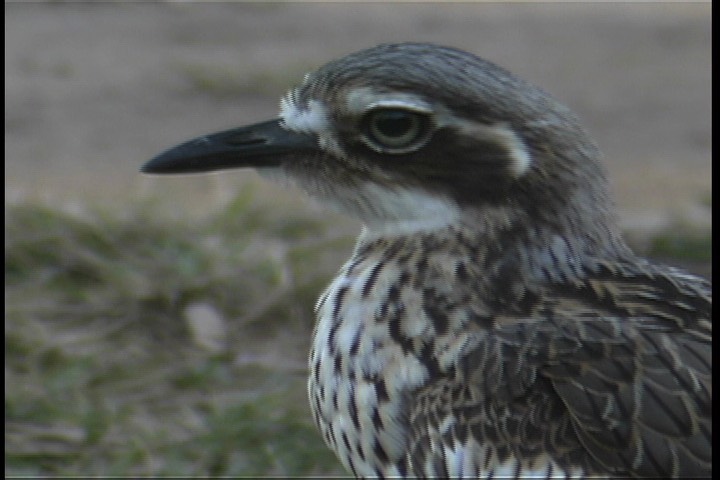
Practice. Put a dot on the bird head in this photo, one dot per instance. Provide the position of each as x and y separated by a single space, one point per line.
414 136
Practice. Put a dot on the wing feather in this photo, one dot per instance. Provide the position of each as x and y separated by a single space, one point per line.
588 383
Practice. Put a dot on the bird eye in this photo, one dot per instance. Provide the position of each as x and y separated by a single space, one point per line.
396 130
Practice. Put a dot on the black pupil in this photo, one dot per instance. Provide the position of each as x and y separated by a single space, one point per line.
394 124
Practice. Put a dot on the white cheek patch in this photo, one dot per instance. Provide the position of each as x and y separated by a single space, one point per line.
402 210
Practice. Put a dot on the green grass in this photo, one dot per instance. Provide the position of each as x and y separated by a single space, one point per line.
682 243
105 376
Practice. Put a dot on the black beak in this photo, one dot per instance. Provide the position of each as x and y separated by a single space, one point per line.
264 144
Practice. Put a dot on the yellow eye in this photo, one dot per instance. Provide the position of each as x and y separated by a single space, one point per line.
396 130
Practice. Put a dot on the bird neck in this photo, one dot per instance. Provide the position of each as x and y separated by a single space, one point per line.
500 247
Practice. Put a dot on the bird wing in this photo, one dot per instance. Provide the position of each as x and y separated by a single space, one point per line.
610 375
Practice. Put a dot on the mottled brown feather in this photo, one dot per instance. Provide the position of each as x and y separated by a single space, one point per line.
621 395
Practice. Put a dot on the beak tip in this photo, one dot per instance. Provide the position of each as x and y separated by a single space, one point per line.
156 165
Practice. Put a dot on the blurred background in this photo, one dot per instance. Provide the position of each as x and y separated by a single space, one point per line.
159 326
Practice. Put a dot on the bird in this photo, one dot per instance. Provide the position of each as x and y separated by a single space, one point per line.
491 321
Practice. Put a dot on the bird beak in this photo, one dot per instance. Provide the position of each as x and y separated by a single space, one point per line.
265 144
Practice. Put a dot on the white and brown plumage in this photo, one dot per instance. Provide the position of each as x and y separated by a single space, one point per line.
491 321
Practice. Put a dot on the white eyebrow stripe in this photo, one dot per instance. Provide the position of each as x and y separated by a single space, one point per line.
315 118
500 133
360 100
521 157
